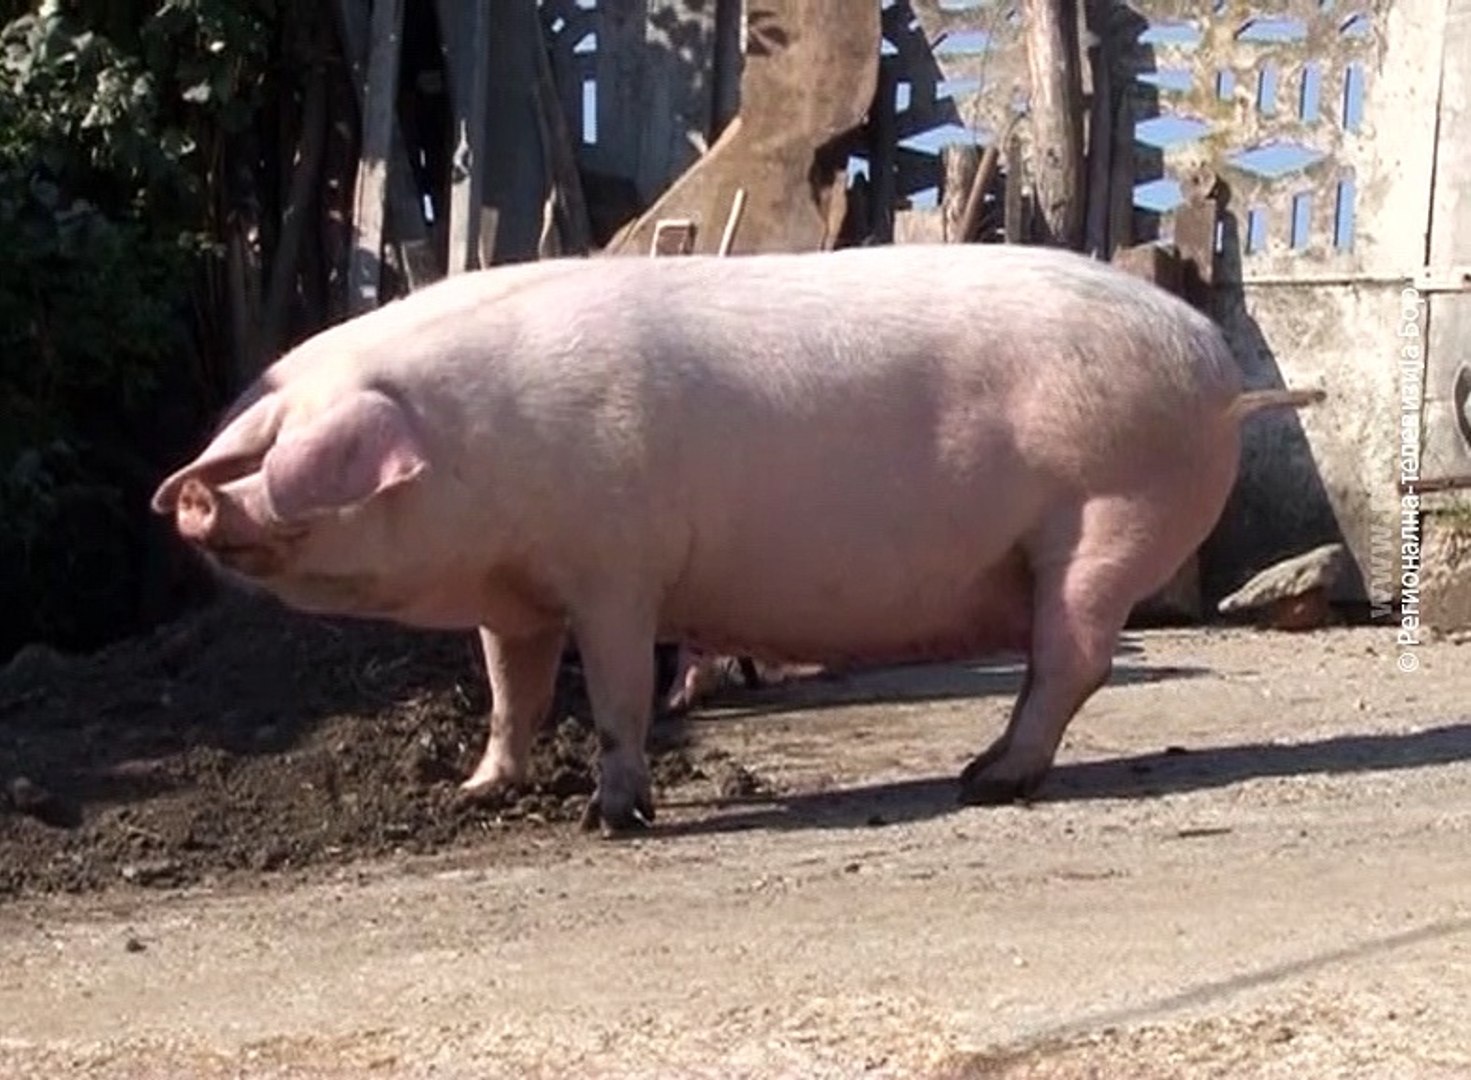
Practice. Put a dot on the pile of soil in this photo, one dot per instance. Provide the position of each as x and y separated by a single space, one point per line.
248 738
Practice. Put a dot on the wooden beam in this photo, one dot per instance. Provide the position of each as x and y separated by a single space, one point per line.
1056 112
1121 176
305 176
1012 211
405 212
883 147
958 164
563 177
464 29
1100 132
675 113
366 262
728 62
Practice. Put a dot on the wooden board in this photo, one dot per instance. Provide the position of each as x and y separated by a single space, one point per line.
465 35
810 72
516 180
365 265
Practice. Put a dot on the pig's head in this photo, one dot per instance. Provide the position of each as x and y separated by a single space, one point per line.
295 499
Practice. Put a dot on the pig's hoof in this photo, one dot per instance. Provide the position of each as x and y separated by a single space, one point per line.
489 779
988 781
631 818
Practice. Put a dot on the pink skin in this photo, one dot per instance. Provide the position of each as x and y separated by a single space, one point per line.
885 454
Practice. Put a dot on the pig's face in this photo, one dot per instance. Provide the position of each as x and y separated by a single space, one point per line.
295 499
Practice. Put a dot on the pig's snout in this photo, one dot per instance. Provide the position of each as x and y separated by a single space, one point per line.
224 526
196 512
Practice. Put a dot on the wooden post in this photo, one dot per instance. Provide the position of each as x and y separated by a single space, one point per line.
958 164
405 214
366 263
970 222
305 176
1100 133
563 178
1013 223
465 39
1121 176
1052 59
883 147
728 62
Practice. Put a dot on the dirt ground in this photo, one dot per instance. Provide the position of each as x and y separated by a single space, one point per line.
248 738
236 849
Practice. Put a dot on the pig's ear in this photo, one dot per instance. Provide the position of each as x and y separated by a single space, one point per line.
245 438
360 447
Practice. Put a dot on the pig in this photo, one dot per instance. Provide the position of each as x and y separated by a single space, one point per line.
879 454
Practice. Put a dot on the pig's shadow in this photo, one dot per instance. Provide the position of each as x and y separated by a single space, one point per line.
1173 771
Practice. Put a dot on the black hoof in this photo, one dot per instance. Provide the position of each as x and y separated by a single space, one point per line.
634 819
977 788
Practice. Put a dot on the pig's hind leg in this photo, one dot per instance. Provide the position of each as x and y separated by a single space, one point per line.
523 675
616 642
1078 613
1087 575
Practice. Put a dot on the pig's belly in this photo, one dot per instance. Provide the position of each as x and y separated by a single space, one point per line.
867 615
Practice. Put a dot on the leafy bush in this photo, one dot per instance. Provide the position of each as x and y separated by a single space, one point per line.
114 122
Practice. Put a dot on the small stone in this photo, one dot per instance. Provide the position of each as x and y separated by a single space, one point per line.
1292 594
133 945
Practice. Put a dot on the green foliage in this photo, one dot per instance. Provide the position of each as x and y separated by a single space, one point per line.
113 119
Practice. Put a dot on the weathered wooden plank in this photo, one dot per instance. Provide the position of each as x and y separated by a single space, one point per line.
958 164
883 140
405 216
465 39
1446 449
619 74
1100 131
515 182
1013 220
564 183
1056 118
809 79
306 173
970 222
1121 177
677 103
365 265
729 61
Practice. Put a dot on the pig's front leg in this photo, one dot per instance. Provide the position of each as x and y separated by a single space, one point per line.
615 646
523 675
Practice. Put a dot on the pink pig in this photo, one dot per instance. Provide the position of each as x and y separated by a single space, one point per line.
879 454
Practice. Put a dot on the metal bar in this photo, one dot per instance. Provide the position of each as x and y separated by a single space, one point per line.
1424 281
